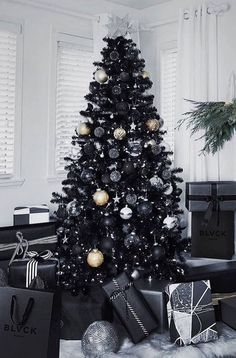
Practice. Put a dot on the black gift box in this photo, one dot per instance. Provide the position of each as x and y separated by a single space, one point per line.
132 309
190 313
39 236
220 272
154 292
46 270
214 239
202 196
228 311
78 312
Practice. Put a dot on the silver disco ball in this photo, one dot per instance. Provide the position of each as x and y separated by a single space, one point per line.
99 338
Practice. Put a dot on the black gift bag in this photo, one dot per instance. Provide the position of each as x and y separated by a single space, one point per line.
29 326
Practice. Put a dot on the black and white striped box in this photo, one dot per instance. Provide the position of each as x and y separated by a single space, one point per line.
24 215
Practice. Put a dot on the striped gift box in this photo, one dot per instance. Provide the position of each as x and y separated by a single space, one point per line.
24 215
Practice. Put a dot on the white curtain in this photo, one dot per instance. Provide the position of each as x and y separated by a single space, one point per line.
197 79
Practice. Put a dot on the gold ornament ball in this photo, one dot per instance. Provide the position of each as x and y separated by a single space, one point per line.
84 129
100 197
119 133
95 258
153 125
101 76
145 74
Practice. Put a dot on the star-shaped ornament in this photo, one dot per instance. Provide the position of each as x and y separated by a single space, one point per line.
118 26
116 199
65 240
133 126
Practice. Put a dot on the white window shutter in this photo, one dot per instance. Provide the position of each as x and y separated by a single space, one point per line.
168 92
8 47
74 72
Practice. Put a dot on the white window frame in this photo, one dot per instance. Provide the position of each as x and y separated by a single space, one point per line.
15 179
171 45
53 174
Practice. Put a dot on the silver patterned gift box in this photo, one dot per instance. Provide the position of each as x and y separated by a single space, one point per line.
190 313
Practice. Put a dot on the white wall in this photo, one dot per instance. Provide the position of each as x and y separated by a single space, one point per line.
163 20
37 90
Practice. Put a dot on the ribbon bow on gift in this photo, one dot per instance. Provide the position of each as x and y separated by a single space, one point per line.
32 265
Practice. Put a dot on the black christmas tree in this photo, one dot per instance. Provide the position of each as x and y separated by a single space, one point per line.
119 209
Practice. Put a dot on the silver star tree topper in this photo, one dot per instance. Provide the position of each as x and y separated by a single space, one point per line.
118 26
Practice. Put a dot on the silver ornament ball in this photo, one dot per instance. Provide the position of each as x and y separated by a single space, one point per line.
126 213
99 338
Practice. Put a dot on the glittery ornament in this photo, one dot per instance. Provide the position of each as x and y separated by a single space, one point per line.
99 132
134 148
73 208
124 76
144 208
115 176
152 124
100 197
89 149
114 55
101 76
156 182
95 258
119 133
166 174
113 153
131 199
99 339
126 213
87 175
84 129
116 90
170 222
131 239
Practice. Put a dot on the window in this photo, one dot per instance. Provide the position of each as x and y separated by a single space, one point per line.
8 74
168 92
74 72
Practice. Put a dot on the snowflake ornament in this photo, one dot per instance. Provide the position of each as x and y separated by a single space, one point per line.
118 26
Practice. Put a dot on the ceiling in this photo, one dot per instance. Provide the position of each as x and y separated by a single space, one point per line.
138 4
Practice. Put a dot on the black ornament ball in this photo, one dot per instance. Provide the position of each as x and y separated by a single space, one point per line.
76 250
109 220
99 132
114 55
144 208
122 108
116 90
178 191
158 252
89 149
124 76
87 175
107 244
106 178
128 168
94 87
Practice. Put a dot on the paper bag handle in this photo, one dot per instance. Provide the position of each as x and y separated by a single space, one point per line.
26 314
